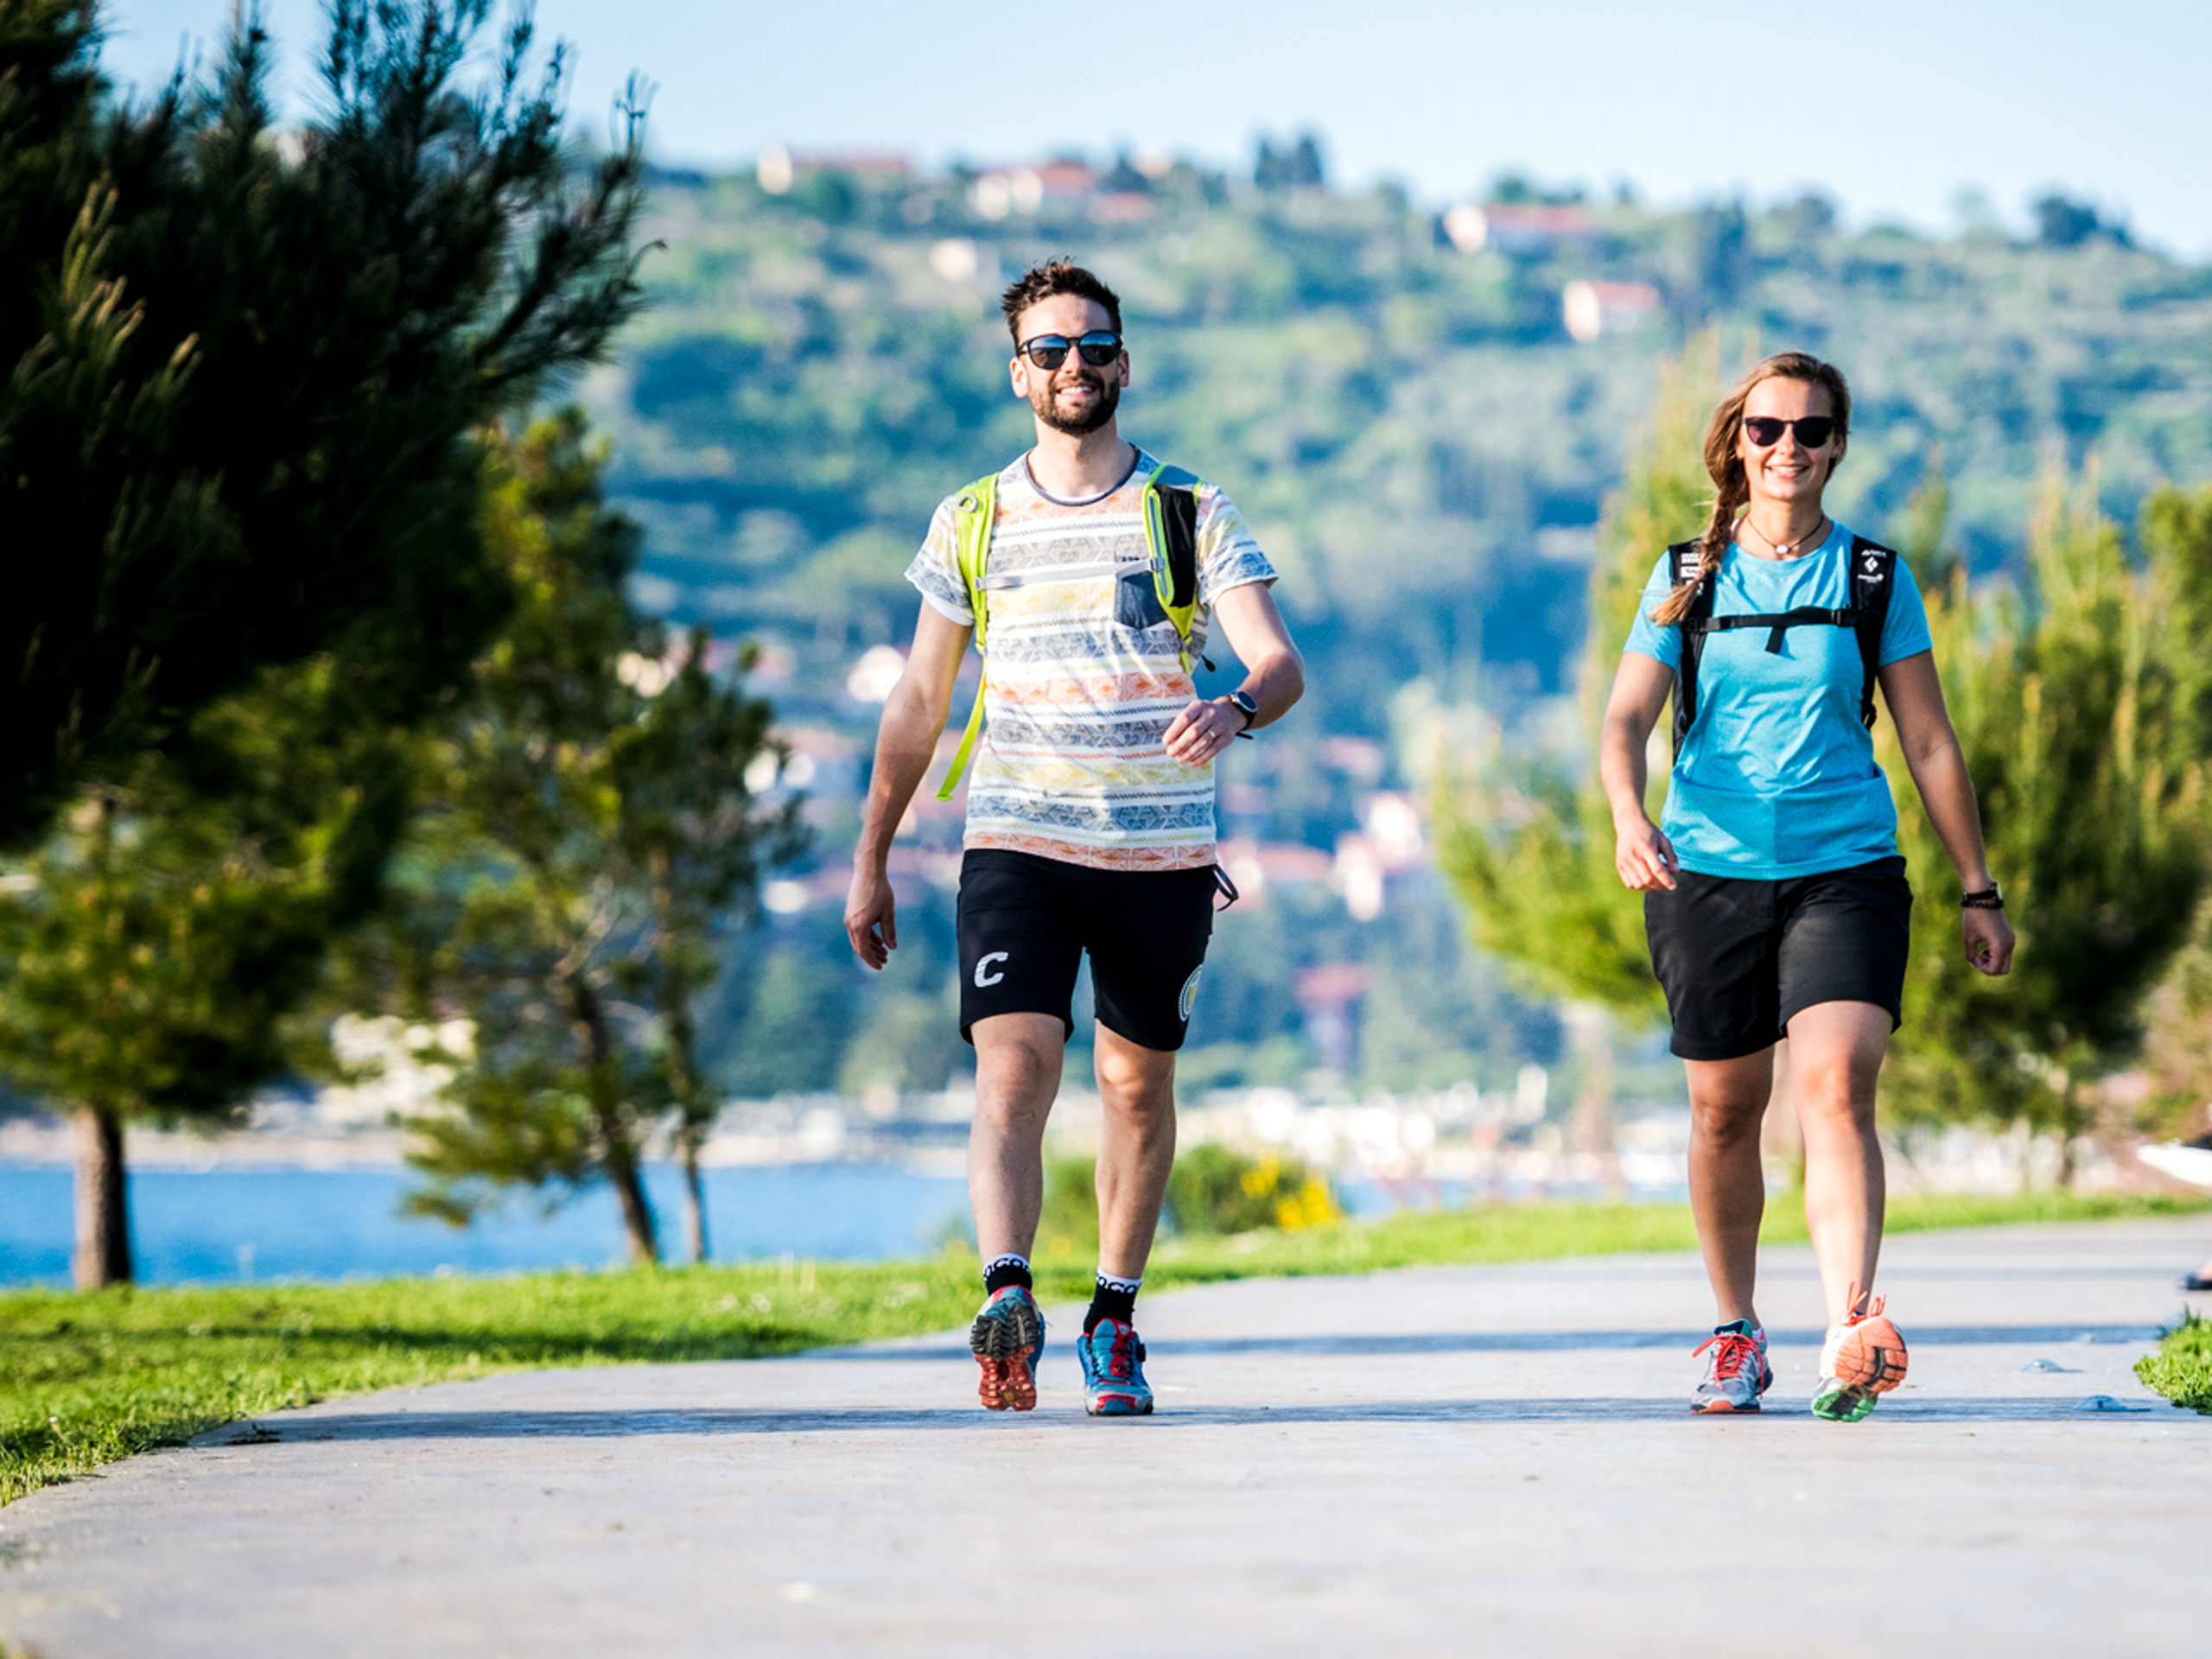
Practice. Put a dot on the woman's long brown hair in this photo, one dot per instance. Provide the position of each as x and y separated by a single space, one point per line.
1725 468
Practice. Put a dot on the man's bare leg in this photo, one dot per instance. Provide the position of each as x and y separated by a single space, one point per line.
1017 1075
1136 1151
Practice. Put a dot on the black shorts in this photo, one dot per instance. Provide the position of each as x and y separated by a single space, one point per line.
1739 959
1026 921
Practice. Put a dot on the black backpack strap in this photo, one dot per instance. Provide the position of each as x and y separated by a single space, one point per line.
1178 519
1873 576
1686 558
1778 623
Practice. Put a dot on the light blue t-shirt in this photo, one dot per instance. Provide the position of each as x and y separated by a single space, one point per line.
1777 778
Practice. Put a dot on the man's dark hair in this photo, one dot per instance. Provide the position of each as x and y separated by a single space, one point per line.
1055 276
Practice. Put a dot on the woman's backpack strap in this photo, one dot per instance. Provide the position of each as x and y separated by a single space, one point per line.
1686 559
1873 578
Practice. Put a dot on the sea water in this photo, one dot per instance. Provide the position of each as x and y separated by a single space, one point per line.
227 1225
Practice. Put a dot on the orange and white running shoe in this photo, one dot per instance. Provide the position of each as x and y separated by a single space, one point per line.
1737 1373
1862 1360
1006 1340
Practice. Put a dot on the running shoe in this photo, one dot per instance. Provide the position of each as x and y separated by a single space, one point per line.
1737 1373
1862 1360
1113 1371
1005 1339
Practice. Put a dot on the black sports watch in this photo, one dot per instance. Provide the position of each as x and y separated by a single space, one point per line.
1250 705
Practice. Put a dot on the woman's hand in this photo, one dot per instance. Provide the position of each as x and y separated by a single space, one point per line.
1641 684
1644 858
1989 940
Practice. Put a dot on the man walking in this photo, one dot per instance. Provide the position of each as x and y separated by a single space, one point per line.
1088 572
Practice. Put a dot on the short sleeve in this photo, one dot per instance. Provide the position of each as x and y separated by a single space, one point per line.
936 569
1905 631
1228 557
1661 642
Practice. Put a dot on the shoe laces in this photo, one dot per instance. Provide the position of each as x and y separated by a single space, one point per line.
1850 1302
1734 1353
1119 1363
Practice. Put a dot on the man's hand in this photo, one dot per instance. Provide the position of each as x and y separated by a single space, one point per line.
1989 940
913 717
1644 857
871 917
1203 730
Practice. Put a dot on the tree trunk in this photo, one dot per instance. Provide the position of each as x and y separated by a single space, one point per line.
695 1201
618 1145
2073 1123
696 1120
103 1255
1594 1130
622 1173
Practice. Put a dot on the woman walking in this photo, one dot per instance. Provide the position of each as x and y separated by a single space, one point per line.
1774 898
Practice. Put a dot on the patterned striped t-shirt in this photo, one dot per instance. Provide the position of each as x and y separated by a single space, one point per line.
1084 674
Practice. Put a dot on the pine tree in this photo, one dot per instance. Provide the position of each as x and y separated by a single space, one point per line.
242 375
246 380
2177 538
585 826
151 950
2072 699
690 836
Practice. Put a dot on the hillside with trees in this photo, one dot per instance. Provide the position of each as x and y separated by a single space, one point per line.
1420 441
1422 412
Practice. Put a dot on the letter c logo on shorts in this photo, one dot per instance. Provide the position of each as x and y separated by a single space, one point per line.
983 978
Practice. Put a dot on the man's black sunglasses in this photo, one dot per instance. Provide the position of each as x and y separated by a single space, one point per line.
1812 430
1098 348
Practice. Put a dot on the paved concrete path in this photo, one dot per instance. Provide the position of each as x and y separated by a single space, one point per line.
1443 1461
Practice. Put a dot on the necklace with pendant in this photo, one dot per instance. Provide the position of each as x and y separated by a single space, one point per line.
1790 549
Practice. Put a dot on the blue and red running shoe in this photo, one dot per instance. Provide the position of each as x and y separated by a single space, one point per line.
1739 1373
1005 1339
1113 1371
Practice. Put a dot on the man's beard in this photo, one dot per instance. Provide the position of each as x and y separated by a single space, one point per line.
1077 426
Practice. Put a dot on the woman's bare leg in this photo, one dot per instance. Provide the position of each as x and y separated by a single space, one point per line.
1835 1056
1727 1186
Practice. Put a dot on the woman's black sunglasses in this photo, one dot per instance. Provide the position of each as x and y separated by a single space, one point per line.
1098 348
1812 430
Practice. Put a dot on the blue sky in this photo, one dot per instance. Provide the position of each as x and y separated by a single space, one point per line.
1894 109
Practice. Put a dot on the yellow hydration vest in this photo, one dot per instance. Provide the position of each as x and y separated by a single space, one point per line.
1171 531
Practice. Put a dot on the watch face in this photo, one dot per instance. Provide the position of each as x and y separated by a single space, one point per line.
1245 700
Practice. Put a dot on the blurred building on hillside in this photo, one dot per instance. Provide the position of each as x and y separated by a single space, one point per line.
1591 310
1517 227
779 171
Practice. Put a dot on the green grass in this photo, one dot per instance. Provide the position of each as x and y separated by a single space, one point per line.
87 1379
2182 1369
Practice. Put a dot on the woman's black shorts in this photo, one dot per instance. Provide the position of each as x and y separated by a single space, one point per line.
1739 959
1026 921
